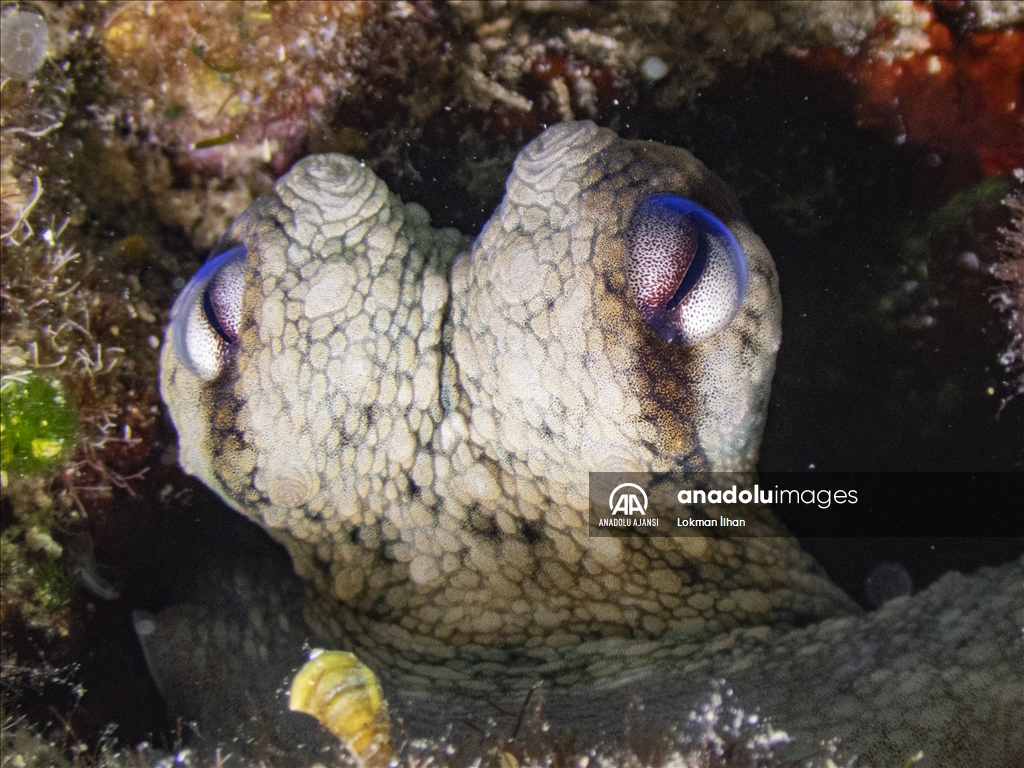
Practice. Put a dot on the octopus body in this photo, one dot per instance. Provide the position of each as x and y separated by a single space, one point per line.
416 421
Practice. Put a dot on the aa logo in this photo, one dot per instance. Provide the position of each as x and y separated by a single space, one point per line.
626 501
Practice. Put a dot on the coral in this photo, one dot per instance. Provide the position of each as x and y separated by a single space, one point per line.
59 319
933 78
238 91
37 587
237 82
40 630
70 303
74 328
37 426
229 95
944 81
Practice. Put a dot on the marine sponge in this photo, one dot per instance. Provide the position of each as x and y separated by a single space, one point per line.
23 42
38 424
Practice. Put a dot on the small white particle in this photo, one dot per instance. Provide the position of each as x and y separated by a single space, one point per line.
654 68
970 260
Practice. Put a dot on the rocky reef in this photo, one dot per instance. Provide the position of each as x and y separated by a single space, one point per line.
882 134
1010 298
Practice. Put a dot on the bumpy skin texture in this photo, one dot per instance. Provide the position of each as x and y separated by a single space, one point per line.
424 454
417 431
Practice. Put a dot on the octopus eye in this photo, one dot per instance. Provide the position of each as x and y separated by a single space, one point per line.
686 271
208 313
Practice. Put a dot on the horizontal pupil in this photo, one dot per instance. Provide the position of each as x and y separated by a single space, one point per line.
211 317
693 273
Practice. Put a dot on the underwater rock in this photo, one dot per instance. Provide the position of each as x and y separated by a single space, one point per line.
233 85
231 89
1010 299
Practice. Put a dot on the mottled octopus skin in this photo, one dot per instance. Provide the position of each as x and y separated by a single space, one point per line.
416 427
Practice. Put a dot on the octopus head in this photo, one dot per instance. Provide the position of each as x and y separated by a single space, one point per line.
393 405
620 307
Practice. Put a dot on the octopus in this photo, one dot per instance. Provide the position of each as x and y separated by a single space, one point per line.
416 421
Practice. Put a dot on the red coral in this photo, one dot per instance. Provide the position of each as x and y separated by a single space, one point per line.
957 92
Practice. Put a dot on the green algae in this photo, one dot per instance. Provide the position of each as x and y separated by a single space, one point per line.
37 426
955 212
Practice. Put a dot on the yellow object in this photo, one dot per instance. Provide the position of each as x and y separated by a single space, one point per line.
47 449
344 695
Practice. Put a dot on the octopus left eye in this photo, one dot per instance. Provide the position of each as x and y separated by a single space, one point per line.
208 313
686 271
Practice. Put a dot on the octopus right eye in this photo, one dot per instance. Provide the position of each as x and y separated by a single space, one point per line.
207 315
686 271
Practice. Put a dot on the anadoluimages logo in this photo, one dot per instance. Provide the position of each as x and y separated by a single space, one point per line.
627 502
